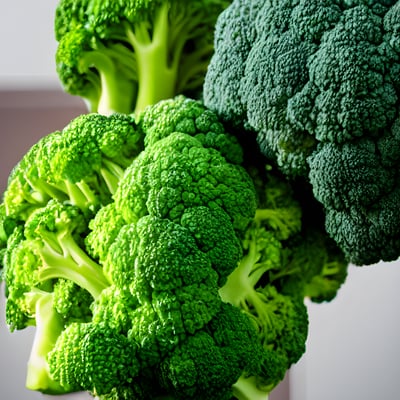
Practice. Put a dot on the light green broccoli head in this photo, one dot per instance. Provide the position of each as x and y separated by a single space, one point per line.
124 55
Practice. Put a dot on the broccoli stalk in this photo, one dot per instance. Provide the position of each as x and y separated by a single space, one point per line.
159 61
156 76
246 389
49 326
114 94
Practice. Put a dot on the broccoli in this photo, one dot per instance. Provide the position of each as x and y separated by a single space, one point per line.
193 256
80 165
41 256
140 268
168 253
123 56
317 83
93 357
71 301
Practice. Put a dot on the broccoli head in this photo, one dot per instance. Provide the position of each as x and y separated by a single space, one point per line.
317 82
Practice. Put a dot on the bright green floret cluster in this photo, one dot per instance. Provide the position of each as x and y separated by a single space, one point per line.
52 194
121 56
318 82
185 275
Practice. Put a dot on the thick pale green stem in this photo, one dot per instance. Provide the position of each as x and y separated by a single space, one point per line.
156 78
246 389
116 94
49 325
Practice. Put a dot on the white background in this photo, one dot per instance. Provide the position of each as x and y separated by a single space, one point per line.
353 350
27 44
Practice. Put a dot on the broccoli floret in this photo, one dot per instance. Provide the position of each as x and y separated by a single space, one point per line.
80 165
123 56
116 307
159 263
97 148
316 268
27 190
189 117
202 176
72 302
99 239
212 360
156 239
318 84
361 211
54 233
93 357
214 236
64 359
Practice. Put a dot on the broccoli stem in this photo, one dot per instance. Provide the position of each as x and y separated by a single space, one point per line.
156 76
240 289
71 262
246 389
114 97
193 67
241 283
80 194
112 174
49 326
42 191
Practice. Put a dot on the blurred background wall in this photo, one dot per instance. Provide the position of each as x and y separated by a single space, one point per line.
353 350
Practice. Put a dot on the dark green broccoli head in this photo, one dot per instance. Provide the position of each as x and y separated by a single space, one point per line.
364 218
312 72
318 83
